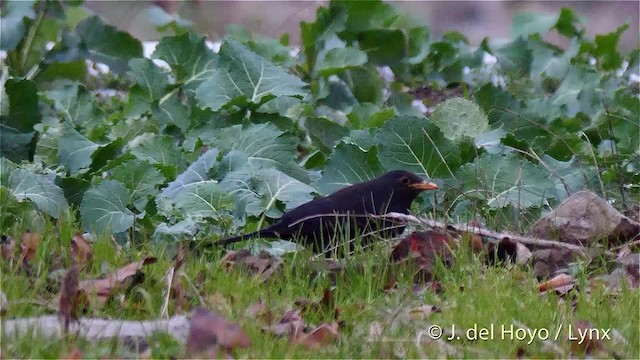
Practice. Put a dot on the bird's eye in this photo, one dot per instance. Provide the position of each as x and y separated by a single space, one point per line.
405 180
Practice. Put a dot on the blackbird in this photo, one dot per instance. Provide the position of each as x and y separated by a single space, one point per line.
320 222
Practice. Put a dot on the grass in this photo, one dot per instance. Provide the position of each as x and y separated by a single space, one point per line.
473 296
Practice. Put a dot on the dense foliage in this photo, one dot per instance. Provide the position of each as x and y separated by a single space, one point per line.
196 141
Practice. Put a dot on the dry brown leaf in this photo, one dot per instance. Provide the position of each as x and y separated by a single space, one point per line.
561 283
209 331
390 285
585 337
322 335
425 248
103 288
290 325
29 246
263 265
81 251
8 246
69 295
75 354
422 312
259 311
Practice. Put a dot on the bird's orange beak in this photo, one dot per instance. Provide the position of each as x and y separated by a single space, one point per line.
424 186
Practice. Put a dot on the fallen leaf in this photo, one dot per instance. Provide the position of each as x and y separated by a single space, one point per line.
209 331
422 312
390 285
476 239
69 295
75 354
585 339
81 251
29 246
263 265
561 283
289 325
425 248
8 246
547 262
259 311
322 335
103 288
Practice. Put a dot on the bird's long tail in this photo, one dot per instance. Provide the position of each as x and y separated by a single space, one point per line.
261 233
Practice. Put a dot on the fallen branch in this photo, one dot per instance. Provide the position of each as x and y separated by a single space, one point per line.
97 329
460 229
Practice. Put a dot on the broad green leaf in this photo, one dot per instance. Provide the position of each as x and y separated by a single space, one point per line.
196 173
507 180
181 230
384 46
286 106
141 178
106 44
260 191
459 118
242 74
548 63
415 144
24 111
325 133
15 145
104 208
366 84
39 189
566 24
258 145
75 151
12 26
76 105
527 23
366 115
339 59
579 82
172 112
205 199
348 165
329 21
163 151
148 79
189 57
514 56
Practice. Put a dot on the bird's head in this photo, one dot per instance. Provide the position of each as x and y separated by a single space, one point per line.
404 182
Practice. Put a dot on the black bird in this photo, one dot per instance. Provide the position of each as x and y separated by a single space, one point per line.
317 222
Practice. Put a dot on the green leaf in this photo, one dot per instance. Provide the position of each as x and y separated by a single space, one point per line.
514 57
580 81
415 144
384 46
163 151
566 23
76 105
204 199
24 111
141 178
367 115
189 57
286 106
149 80
527 23
106 44
104 208
75 151
348 165
325 132
366 84
12 27
459 118
260 191
337 60
258 145
507 180
242 74
195 173
606 48
39 189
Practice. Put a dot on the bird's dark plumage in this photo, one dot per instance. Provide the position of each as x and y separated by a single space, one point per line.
317 222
